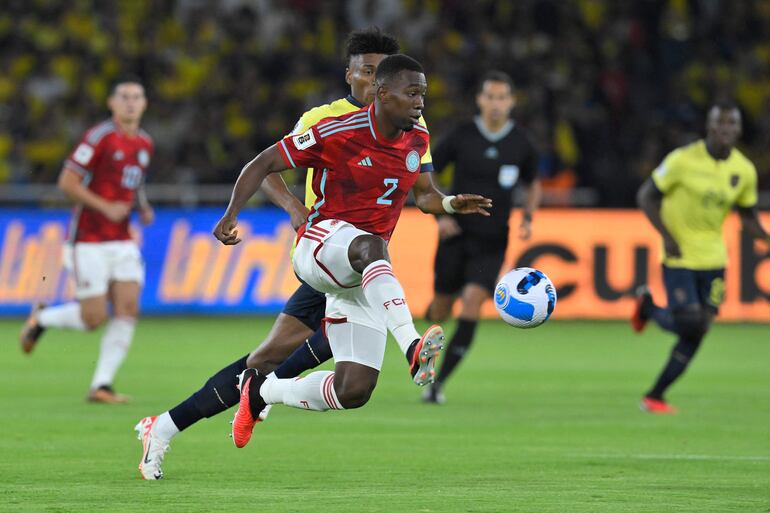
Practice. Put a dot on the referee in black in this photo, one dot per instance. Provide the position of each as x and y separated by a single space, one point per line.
491 155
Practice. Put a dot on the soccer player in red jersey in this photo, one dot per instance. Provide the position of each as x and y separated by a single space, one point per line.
370 160
104 176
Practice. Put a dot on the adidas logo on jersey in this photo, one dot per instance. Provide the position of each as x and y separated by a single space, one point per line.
366 162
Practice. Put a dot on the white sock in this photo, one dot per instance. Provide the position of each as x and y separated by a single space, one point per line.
62 316
164 427
383 290
313 392
115 343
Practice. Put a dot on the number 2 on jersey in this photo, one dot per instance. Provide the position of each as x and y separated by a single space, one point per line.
392 183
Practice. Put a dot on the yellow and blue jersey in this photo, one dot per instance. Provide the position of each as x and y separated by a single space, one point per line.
334 109
698 193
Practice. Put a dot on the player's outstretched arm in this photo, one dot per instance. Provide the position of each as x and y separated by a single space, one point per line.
248 183
649 198
275 189
431 201
752 224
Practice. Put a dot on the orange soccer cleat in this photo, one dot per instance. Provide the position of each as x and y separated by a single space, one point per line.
640 315
657 406
424 356
32 330
249 383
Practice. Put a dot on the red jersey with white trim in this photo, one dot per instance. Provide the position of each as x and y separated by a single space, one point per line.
113 165
361 177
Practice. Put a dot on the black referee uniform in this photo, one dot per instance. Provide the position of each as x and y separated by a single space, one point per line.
490 164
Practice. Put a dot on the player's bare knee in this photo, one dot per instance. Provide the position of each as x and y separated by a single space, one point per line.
354 383
438 311
471 310
353 395
474 295
94 318
127 308
264 361
366 249
439 314
253 360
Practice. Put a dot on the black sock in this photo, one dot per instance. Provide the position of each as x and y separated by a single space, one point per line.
681 355
312 353
410 352
218 394
458 346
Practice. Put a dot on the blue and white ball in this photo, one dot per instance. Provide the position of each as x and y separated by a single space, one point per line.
525 297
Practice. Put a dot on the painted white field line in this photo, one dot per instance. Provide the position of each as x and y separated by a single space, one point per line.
685 457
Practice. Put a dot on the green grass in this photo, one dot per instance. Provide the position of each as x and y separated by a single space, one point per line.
544 420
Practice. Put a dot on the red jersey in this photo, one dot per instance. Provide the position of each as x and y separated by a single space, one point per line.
113 165
361 177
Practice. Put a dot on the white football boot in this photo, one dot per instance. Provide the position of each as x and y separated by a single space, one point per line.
153 449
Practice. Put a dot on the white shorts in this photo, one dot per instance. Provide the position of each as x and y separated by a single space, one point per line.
321 261
351 342
94 265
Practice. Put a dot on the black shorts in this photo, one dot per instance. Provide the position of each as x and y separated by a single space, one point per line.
308 305
468 259
690 287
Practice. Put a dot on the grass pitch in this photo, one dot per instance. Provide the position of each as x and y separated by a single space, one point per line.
542 421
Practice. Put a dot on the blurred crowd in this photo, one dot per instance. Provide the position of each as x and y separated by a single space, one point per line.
605 87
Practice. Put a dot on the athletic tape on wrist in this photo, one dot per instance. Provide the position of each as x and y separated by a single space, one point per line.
447 204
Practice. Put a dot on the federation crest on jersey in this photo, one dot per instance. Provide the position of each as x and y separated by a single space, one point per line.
305 140
83 154
734 179
412 161
143 157
509 175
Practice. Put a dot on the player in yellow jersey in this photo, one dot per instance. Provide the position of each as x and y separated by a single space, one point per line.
295 342
687 199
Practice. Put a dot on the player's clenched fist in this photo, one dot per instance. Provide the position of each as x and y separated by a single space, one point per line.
225 231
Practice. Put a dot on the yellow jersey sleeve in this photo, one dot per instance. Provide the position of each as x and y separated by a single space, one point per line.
427 158
747 198
668 174
312 117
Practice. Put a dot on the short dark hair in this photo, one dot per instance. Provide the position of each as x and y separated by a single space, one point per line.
124 79
494 75
392 65
370 40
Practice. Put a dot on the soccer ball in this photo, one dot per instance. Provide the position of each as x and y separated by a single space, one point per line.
525 297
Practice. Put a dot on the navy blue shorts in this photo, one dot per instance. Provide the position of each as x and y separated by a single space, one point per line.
308 305
687 287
